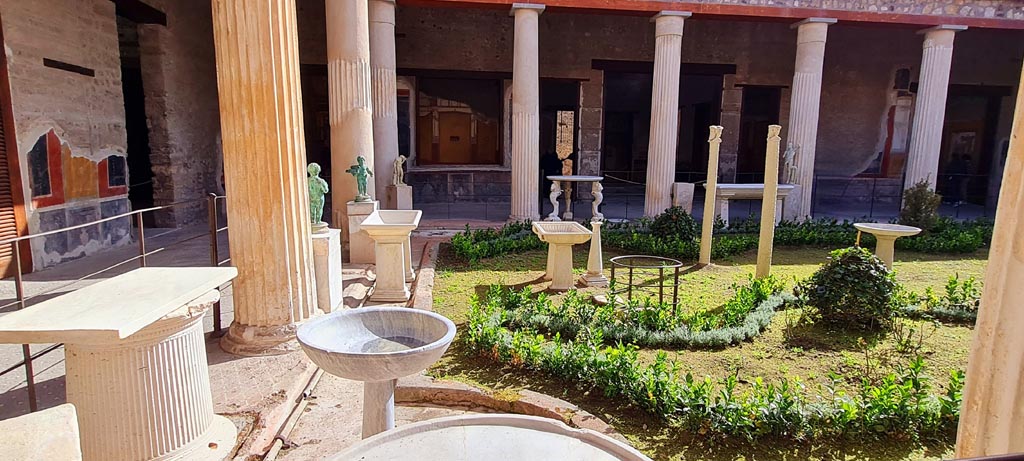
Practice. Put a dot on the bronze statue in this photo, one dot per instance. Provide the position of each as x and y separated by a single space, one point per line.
362 173
317 189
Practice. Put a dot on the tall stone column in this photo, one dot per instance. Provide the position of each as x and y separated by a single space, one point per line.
992 417
264 173
525 113
661 151
805 102
350 96
930 109
385 98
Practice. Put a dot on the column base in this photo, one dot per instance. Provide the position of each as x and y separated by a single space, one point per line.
253 341
594 280
215 444
391 296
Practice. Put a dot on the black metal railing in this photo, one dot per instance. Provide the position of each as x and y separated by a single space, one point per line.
22 300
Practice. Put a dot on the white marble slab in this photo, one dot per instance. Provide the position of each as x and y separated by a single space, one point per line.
50 434
114 308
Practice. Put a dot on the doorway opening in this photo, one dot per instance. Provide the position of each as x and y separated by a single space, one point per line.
760 108
559 104
970 138
140 168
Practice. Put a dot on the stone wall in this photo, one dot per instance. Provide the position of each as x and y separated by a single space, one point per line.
69 122
180 82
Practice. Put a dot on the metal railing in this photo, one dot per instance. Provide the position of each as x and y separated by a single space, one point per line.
23 301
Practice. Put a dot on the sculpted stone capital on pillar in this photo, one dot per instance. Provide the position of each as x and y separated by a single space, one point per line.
669 22
532 7
940 36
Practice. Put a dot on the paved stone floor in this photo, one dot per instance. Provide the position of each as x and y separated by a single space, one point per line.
332 420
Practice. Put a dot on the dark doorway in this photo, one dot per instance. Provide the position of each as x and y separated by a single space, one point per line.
760 109
140 169
559 103
969 143
627 122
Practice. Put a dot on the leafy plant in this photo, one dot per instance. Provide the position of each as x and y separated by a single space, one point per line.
675 223
513 237
920 206
959 301
854 288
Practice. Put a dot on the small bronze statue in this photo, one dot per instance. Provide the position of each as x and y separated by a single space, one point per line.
317 189
399 175
362 173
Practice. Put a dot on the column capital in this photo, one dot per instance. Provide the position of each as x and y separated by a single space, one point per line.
942 27
669 22
825 21
538 7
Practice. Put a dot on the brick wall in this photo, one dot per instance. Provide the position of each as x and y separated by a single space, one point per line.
72 123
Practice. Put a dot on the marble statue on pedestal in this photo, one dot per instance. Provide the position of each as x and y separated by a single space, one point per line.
317 189
361 173
398 178
789 165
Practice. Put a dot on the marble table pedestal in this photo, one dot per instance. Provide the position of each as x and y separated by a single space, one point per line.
885 235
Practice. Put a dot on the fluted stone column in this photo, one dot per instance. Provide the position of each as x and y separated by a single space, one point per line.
661 152
385 98
350 100
264 173
525 113
992 417
805 103
930 108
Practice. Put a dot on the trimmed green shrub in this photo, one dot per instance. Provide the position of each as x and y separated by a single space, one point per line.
854 288
920 206
675 223
959 302
514 237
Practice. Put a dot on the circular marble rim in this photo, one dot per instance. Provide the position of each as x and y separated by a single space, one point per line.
886 229
302 333
595 439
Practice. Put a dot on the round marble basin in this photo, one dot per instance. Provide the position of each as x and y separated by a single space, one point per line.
376 343
486 437
887 230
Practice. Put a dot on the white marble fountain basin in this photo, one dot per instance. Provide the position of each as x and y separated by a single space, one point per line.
490 437
391 222
561 232
376 343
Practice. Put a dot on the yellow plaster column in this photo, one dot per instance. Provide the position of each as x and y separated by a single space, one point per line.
525 113
930 108
992 416
264 173
805 102
769 203
710 190
661 152
349 101
385 93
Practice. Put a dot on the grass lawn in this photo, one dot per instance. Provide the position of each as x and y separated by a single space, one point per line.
804 353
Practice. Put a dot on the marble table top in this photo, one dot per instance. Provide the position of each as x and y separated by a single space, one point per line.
576 178
114 308
751 191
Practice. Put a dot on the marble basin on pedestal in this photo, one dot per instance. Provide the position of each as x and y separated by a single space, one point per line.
390 230
490 437
886 235
376 345
560 237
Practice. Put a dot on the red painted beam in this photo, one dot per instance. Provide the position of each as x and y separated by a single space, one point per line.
730 11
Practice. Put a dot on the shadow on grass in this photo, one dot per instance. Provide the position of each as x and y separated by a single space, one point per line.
662 439
826 337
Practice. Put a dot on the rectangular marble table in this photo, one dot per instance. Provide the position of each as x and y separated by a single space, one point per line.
136 364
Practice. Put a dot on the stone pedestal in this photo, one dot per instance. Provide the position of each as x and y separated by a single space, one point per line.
399 197
805 102
360 245
791 210
265 173
392 254
595 261
525 113
711 189
661 152
148 396
769 203
930 111
327 269
682 196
